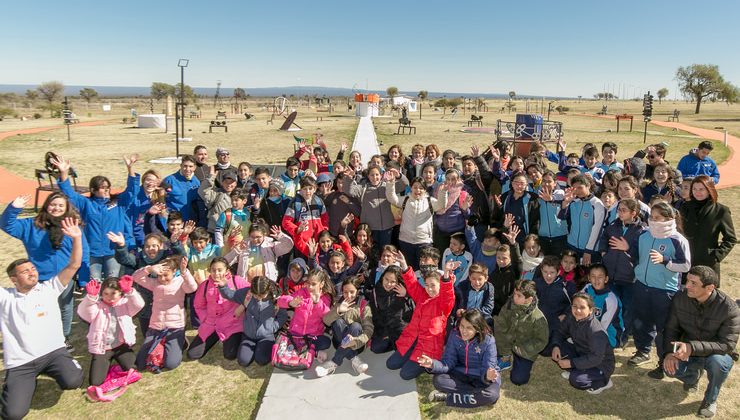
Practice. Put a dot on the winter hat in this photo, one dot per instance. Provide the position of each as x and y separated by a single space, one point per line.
278 184
635 167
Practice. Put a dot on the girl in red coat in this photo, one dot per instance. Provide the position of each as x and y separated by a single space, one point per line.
425 334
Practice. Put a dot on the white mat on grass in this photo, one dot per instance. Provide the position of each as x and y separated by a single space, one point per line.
377 394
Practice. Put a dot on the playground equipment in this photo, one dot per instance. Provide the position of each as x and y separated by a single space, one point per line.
280 108
526 130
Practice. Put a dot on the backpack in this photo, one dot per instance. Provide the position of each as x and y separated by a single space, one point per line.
155 355
429 200
115 384
293 353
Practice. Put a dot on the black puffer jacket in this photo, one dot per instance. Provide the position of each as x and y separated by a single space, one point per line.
710 328
591 343
388 311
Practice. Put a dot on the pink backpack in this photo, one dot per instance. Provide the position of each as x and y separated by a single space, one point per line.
115 384
293 353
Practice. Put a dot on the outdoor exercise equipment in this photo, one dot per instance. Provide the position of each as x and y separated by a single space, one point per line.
526 130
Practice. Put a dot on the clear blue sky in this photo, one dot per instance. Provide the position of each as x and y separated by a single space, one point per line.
566 48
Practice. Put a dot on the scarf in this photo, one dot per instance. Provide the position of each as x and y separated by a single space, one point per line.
662 230
453 194
222 166
530 263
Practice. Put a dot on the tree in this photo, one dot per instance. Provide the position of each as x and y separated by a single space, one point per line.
88 94
423 95
392 92
50 92
187 93
160 90
700 81
240 93
662 93
512 94
32 95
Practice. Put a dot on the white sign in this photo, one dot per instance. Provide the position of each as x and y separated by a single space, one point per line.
412 106
106 107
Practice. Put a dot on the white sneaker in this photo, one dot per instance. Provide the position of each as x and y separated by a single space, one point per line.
598 391
326 368
358 365
321 356
565 374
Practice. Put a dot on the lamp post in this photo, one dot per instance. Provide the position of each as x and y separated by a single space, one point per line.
182 63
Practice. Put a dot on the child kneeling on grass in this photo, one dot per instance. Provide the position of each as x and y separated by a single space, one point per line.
262 318
112 333
582 348
168 308
467 375
425 333
521 332
351 321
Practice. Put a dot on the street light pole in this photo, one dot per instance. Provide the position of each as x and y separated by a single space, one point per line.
182 63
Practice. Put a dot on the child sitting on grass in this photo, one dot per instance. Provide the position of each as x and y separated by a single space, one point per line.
426 332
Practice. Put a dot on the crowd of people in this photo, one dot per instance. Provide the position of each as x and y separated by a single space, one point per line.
463 267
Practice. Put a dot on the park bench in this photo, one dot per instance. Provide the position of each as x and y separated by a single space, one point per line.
248 116
48 182
220 114
604 110
474 119
405 124
674 116
218 124
194 114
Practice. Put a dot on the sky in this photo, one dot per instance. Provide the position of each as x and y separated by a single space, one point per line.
542 48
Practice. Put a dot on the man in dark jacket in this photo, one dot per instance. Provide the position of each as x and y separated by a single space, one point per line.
701 334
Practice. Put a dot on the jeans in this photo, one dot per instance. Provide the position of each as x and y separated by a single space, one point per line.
341 329
67 307
380 345
409 368
718 368
625 293
651 309
173 345
257 351
103 267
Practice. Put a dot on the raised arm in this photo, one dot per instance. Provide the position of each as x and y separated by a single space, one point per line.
71 228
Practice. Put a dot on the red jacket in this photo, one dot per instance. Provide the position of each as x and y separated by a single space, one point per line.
429 320
314 213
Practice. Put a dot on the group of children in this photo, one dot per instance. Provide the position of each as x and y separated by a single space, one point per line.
459 267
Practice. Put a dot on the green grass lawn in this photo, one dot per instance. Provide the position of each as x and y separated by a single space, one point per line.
196 389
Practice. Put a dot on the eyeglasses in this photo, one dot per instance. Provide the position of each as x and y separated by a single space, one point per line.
224 154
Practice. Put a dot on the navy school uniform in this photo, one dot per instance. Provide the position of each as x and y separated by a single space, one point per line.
553 300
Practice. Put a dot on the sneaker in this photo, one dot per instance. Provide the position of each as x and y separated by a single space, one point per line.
504 362
657 373
69 345
437 396
565 374
691 388
358 365
321 356
707 410
598 391
326 368
639 358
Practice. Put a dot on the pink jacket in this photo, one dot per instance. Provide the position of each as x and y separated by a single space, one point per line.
168 301
270 249
216 314
92 309
308 318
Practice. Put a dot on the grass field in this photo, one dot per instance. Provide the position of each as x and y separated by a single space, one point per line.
196 388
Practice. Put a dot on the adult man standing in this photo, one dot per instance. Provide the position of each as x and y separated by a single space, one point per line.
183 189
31 323
202 168
224 166
655 154
701 334
698 162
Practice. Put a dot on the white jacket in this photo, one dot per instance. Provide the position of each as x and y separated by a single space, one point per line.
416 219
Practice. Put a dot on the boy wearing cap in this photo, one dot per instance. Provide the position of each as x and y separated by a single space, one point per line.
217 200
325 183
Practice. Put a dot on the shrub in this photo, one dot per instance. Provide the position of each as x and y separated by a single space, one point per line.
36 116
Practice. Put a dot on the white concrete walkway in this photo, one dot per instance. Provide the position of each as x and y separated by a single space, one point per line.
377 394
366 142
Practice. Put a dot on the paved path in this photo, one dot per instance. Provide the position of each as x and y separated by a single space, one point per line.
14 185
377 394
730 169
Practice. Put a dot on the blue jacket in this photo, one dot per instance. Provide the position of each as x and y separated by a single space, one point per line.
482 298
551 226
48 261
262 319
620 265
608 310
471 358
585 217
136 203
183 194
100 216
554 299
691 167
676 260
529 218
